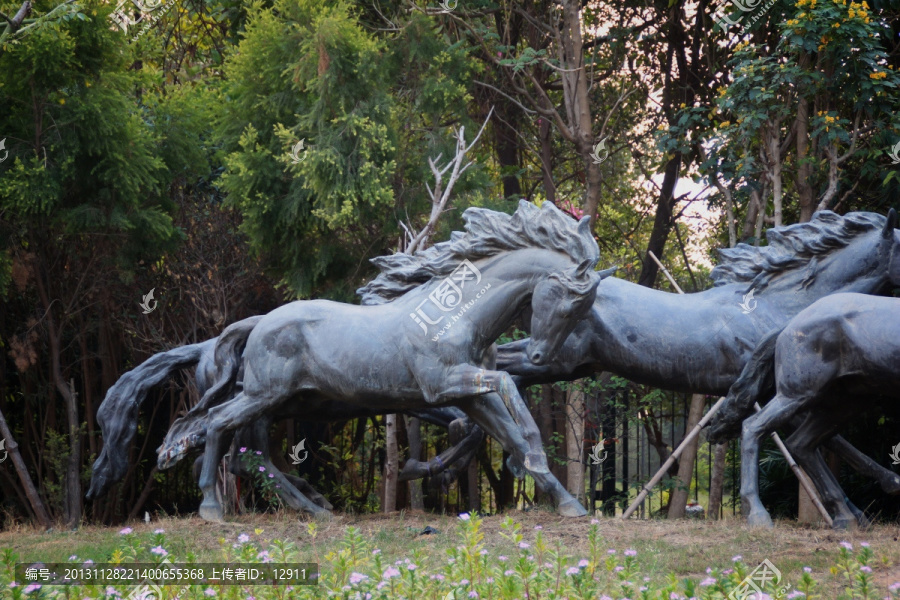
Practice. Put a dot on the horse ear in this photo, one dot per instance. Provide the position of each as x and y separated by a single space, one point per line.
607 272
890 224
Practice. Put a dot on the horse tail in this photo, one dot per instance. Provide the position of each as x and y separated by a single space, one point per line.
189 431
756 383
117 415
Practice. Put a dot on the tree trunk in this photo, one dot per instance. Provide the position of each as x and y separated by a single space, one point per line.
578 106
662 222
414 433
717 484
806 197
391 463
678 500
37 506
575 441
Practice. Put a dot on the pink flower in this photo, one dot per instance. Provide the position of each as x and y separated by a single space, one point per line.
390 572
524 545
125 531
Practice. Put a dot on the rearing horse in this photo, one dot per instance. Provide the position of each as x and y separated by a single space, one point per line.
423 347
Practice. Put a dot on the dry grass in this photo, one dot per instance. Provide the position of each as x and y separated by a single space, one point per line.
686 548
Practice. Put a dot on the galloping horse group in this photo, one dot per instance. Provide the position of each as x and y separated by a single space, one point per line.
423 343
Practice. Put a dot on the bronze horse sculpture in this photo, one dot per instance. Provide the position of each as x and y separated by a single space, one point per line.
386 356
831 359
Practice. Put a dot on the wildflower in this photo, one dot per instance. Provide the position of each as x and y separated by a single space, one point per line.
707 582
158 531
795 594
465 516
737 558
464 582
594 521
630 552
865 569
847 545
473 594
483 552
610 551
159 550
864 544
583 563
264 557
537 527
619 568
31 588
259 452
489 580
411 567
573 571
261 469
509 572
438 577
125 531
243 538
807 570
524 545
271 475
502 558
894 586
380 585
357 577
73 557
243 449
390 572
209 592
376 552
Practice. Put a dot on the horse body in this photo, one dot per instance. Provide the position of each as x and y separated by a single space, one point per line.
841 349
700 342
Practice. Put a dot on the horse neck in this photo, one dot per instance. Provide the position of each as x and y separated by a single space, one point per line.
850 269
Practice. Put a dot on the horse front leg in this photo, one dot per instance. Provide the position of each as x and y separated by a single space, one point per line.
466 380
775 414
489 412
217 443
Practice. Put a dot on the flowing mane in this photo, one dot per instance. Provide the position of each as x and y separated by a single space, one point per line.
792 247
487 233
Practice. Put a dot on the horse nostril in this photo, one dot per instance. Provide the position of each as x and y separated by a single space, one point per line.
536 357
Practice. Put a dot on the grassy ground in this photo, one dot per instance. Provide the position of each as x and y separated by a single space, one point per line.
685 548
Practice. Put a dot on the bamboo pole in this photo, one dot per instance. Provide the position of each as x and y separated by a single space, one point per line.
801 475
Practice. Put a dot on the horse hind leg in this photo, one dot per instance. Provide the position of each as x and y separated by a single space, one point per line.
862 464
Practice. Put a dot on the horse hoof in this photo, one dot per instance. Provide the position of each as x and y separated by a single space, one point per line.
571 508
212 512
892 487
757 519
536 462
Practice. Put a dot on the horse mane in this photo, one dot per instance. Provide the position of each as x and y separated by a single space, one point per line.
792 247
487 233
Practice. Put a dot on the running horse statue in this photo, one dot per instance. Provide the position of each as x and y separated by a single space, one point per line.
424 347
700 342
830 361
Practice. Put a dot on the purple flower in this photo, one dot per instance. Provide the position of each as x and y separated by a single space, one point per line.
509 572
159 531
390 572
524 545
864 544
411 567
376 552
594 521
707 582
736 558
271 475
865 569
573 571
610 551
243 538
619 568
847 545
538 527
159 550
502 558
261 469
209 592
243 449
583 563
473 594
630 552
807 570
259 452
125 531
465 516
357 577
31 588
